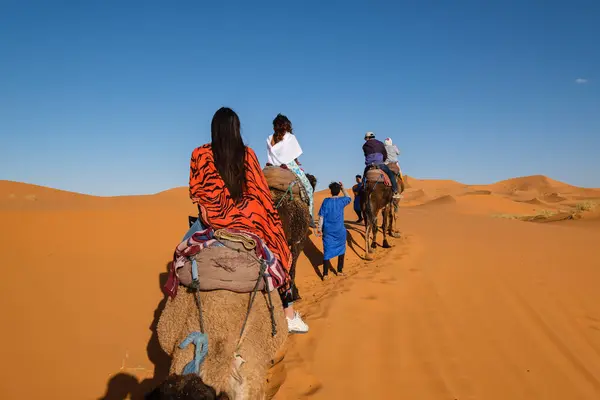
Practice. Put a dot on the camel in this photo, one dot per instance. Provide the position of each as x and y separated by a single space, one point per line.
295 217
250 366
378 198
246 367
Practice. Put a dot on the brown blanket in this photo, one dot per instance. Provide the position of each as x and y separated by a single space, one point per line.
280 179
234 269
377 175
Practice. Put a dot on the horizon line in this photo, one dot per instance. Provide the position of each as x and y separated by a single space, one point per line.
185 186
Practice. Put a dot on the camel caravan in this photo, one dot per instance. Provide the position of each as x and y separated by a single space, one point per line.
231 286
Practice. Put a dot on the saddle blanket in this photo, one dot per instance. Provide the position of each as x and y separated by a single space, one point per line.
377 175
198 239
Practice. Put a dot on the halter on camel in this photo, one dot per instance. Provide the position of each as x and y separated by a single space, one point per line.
200 339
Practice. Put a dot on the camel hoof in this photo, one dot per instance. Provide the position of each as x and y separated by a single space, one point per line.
396 235
373 246
368 257
386 245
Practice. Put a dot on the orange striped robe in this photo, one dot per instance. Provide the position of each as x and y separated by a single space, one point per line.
254 212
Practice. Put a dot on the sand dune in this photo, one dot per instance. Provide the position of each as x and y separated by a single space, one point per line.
464 305
542 185
413 195
477 192
553 198
442 200
538 183
534 201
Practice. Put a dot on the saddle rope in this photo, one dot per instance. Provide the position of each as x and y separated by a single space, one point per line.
288 190
200 339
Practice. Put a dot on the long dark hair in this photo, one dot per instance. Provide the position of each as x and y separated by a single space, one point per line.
229 150
281 125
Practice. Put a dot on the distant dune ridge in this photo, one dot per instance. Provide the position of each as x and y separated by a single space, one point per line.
85 272
535 189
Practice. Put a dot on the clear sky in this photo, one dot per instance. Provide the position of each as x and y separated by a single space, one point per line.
110 97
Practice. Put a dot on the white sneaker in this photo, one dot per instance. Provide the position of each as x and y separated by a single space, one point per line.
296 325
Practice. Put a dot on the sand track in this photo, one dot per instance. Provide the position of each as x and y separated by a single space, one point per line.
430 320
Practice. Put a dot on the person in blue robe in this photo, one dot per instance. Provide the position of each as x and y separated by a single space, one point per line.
332 228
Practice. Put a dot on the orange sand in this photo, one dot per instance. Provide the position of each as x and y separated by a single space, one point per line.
465 306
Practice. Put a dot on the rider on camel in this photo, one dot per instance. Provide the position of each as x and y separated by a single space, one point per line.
228 185
283 149
375 154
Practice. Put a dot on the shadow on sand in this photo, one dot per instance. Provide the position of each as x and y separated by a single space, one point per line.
314 255
351 242
124 385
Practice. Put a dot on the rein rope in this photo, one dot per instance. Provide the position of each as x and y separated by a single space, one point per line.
289 190
200 339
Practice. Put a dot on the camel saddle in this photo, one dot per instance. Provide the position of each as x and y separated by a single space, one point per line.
377 175
394 167
230 267
282 179
396 170
233 265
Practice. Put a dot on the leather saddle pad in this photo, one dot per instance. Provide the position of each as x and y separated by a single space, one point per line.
377 175
280 179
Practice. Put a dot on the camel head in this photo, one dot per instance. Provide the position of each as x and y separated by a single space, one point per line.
185 387
312 180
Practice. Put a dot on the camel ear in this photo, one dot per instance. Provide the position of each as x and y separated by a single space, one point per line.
173 319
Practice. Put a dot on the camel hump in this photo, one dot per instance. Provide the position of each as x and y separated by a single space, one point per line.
280 179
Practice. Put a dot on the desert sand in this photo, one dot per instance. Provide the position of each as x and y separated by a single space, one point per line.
491 293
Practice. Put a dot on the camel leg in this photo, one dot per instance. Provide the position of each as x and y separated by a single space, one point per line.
390 220
374 228
393 217
367 241
394 229
369 227
386 223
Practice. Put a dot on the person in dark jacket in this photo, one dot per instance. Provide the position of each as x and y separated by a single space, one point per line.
375 154
357 190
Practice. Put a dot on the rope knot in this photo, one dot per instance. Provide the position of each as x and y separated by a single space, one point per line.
200 341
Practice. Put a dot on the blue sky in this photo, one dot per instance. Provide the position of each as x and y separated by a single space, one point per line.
110 97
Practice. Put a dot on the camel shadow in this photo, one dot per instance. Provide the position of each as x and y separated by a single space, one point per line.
125 386
350 241
121 387
156 355
315 256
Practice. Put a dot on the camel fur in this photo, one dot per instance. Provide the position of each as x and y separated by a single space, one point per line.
259 371
295 218
378 198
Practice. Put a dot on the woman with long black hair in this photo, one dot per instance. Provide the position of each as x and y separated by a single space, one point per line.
228 185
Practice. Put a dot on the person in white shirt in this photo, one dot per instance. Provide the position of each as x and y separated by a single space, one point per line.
392 153
283 149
